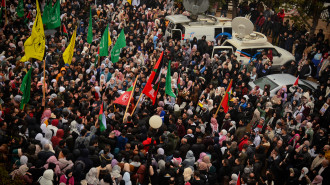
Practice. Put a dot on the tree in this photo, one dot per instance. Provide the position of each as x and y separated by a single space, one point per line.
6 179
308 12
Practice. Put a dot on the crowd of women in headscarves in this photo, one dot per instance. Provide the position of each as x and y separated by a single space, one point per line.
57 140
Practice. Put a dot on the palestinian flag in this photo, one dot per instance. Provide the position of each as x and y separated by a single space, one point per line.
225 101
28 17
3 9
152 86
97 57
3 4
64 30
102 120
296 82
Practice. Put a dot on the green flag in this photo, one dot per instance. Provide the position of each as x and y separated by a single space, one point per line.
90 28
168 84
120 43
20 8
55 16
46 12
104 47
26 88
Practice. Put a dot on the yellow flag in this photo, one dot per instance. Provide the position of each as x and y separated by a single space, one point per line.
129 1
68 53
109 39
200 104
34 46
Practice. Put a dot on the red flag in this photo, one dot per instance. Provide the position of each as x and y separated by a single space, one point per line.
3 3
123 99
29 16
239 179
151 88
225 101
178 83
296 82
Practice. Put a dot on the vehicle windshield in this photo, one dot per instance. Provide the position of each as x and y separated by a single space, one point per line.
308 85
170 27
219 51
261 82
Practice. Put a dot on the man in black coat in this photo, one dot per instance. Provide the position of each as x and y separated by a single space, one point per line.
45 154
289 43
274 165
184 148
291 69
198 147
202 45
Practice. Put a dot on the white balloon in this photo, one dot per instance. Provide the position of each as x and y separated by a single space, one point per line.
155 121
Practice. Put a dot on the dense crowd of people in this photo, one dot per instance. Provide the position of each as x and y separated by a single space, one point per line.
278 140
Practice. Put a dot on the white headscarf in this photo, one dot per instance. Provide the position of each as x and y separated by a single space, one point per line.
47 178
127 178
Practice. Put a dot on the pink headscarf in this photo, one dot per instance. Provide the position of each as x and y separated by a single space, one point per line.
53 159
294 142
120 76
201 156
46 115
214 125
222 136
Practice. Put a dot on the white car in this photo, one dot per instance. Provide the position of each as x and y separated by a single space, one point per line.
251 46
276 81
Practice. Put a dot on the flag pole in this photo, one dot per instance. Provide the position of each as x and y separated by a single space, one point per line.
98 58
44 86
137 103
130 97
216 113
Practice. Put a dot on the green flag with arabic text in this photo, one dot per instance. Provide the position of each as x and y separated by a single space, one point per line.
20 8
90 28
55 16
120 43
104 46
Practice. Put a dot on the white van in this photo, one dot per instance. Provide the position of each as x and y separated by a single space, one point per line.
250 46
182 28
